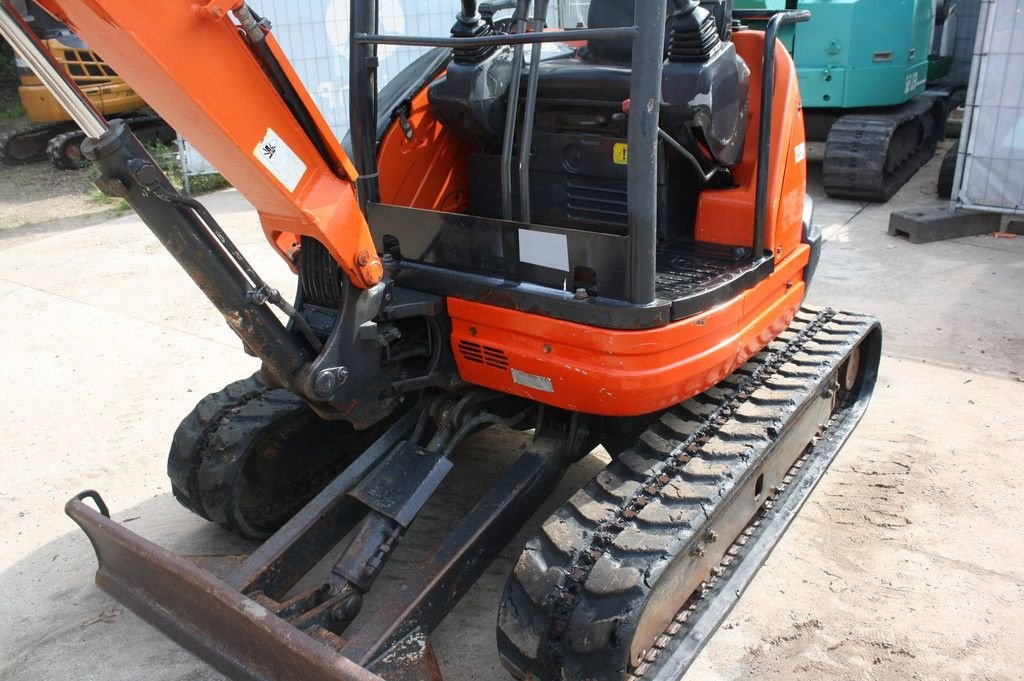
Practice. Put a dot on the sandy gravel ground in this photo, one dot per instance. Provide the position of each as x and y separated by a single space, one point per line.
38 193
906 563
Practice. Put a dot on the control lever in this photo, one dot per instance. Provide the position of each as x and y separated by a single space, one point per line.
489 9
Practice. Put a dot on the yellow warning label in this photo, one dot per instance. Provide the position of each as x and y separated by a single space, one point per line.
620 154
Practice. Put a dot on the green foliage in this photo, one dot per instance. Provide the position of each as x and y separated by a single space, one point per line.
10 110
167 158
8 71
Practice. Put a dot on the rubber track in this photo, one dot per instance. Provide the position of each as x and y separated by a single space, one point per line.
293 454
858 146
192 439
36 136
55 151
572 603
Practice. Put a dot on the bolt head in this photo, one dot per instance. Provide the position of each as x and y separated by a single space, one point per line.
325 383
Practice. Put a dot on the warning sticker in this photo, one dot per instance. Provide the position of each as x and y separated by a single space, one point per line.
799 152
620 154
280 160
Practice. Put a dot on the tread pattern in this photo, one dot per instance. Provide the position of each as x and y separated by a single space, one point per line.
573 602
28 144
58 148
248 457
858 148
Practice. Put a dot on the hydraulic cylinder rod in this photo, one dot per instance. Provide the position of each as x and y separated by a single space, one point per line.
27 46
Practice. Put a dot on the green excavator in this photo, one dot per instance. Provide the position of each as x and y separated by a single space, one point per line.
865 69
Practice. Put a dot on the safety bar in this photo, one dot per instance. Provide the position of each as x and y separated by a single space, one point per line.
497 40
647 37
776 20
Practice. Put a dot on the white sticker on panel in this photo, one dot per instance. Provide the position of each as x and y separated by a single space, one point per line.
799 152
280 160
544 249
541 383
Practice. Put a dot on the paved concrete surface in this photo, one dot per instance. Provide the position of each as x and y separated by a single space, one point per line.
906 563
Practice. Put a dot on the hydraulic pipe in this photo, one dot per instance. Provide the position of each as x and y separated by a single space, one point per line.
512 116
540 9
57 81
253 26
642 171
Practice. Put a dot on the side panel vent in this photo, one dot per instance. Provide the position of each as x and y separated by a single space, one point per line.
481 354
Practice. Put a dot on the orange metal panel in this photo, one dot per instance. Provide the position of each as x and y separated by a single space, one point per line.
627 373
200 75
429 171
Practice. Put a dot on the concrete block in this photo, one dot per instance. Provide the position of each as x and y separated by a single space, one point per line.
922 226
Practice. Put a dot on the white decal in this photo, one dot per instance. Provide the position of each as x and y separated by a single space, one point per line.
544 249
280 160
800 152
912 82
541 383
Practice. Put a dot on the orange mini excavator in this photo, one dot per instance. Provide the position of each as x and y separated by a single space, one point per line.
602 244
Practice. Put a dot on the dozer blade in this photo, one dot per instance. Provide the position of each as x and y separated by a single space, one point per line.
631 577
200 612
251 627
